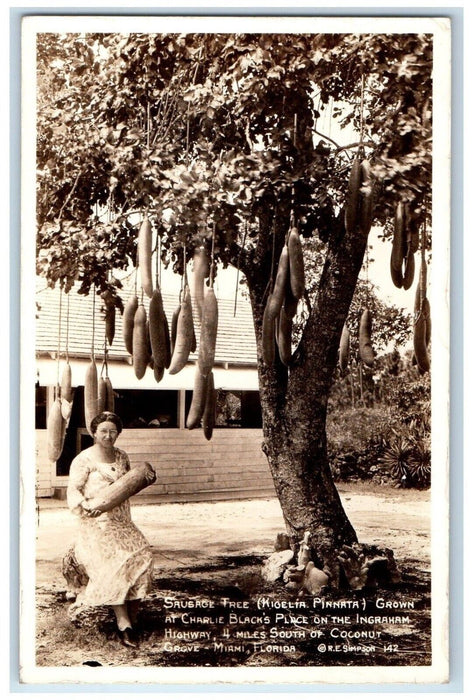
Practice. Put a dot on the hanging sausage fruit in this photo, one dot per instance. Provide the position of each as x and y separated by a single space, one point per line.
365 347
128 321
422 319
353 197
344 349
144 256
296 264
208 419
110 396
398 250
174 318
109 306
284 337
208 337
185 335
56 431
66 392
199 395
91 407
402 262
141 351
105 395
367 197
201 271
412 242
101 395
208 333
159 335
359 202
66 383
273 306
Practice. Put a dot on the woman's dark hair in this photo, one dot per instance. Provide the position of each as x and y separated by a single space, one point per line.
103 418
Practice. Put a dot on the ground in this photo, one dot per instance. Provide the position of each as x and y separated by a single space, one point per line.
211 554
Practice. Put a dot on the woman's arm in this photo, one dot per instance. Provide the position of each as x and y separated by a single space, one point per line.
78 475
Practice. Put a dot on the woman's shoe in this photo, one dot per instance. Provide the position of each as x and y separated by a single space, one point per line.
126 638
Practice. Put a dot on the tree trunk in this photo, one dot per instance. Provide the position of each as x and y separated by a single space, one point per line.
294 405
306 490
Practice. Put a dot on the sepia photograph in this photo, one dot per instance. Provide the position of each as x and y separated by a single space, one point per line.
235 350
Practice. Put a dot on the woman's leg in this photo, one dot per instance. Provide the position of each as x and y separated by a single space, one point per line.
123 618
133 609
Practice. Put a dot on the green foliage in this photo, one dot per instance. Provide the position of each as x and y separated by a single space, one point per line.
385 434
407 459
217 129
356 439
409 398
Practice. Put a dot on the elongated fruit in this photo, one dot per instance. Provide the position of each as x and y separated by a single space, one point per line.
208 419
141 352
290 302
276 299
398 250
421 288
102 395
110 400
145 237
409 270
174 318
428 322
296 264
284 338
132 482
353 197
56 431
201 271
344 349
128 321
184 334
167 341
208 333
366 349
66 392
109 316
199 394
366 199
157 334
91 407
421 332
412 229
66 383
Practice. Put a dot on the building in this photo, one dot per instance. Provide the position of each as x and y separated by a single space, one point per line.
189 468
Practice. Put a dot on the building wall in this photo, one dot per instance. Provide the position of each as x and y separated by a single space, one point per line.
189 468
44 468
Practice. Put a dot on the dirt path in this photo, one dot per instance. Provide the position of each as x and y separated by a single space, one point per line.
191 533
204 549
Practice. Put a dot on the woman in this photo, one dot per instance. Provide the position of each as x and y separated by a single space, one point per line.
114 553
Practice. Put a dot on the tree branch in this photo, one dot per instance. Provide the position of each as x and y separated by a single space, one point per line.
69 195
369 144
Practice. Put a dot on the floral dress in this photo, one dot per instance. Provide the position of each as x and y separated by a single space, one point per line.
114 552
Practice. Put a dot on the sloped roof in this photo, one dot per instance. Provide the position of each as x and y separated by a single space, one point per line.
235 337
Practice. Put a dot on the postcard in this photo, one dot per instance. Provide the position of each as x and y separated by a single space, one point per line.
235 350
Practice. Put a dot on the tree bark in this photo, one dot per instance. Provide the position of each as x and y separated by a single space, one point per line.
294 406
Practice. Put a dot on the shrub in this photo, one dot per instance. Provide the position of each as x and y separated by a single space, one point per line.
356 439
407 458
